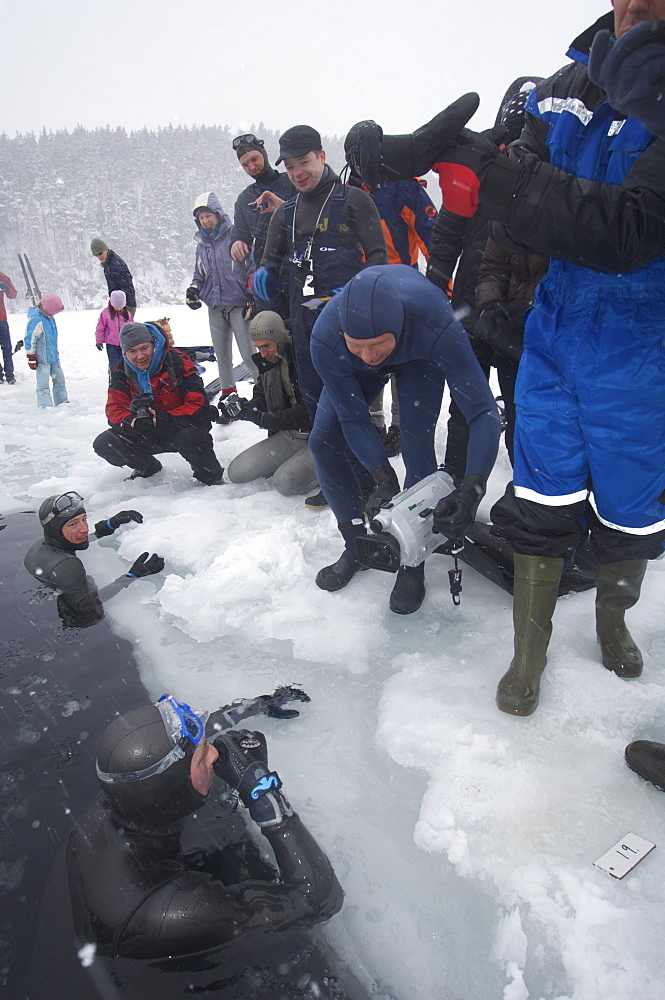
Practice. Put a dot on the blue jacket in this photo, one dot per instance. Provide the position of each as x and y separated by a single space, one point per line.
398 299
221 281
44 342
407 216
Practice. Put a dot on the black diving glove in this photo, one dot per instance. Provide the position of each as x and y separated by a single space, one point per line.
387 485
146 565
107 527
265 704
454 514
243 764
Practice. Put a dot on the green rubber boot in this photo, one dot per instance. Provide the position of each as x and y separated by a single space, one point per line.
534 599
618 588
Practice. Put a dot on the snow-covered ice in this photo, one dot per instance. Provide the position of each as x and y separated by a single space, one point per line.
464 838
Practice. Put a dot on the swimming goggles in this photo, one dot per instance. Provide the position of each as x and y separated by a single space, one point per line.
246 140
63 504
185 727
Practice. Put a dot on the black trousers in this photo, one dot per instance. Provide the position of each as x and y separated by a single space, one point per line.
194 443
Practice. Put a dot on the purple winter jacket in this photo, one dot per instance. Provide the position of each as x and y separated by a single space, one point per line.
221 281
109 327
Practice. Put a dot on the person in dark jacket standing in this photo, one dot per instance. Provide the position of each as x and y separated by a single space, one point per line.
276 406
590 431
156 403
221 283
135 895
456 249
116 272
6 373
251 217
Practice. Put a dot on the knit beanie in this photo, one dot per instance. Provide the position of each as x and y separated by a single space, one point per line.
269 326
97 246
51 304
133 334
118 299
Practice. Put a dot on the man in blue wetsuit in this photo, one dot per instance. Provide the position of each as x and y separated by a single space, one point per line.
392 320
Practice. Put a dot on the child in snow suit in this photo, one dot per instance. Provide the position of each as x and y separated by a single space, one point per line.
110 323
41 350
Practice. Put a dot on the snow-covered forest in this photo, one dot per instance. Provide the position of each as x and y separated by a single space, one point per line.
135 190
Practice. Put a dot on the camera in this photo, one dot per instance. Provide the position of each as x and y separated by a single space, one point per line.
232 405
403 533
143 419
257 206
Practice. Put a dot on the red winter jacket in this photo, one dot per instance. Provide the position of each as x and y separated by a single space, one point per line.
11 294
177 389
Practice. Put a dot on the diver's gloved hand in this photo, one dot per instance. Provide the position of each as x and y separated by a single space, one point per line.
271 704
264 283
631 71
454 514
146 565
243 764
107 527
463 168
265 704
387 485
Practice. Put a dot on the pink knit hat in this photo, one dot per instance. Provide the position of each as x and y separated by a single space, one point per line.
52 304
118 299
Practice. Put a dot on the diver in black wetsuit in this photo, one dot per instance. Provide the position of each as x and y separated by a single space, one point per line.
131 891
53 560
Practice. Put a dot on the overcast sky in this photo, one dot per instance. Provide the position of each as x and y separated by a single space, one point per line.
154 62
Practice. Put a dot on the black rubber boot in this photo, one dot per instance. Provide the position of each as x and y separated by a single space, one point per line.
648 760
534 599
337 575
409 591
618 588
316 502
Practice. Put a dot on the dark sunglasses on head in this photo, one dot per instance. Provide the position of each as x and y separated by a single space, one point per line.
246 140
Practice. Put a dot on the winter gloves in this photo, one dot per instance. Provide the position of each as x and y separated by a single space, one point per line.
192 297
387 485
501 326
264 284
146 565
454 514
32 361
243 764
631 70
103 528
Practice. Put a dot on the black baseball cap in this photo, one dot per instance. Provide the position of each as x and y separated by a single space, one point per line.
298 141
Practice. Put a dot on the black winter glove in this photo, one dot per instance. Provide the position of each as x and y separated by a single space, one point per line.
387 485
243 764
18 345
192 298
146 565
107 527
454 514
463 168
501 326
631 71
252 414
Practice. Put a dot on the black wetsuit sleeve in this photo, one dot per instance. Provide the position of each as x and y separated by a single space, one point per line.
610 228
191 911
276 241
364 222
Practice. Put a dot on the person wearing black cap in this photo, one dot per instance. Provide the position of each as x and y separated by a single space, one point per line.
393 321
53 559
133 893
316 242
251 218
156 403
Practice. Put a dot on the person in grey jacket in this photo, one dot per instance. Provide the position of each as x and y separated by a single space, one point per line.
221 283
276 406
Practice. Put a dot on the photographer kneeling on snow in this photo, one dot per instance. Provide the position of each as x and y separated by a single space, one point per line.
276 406
156 403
